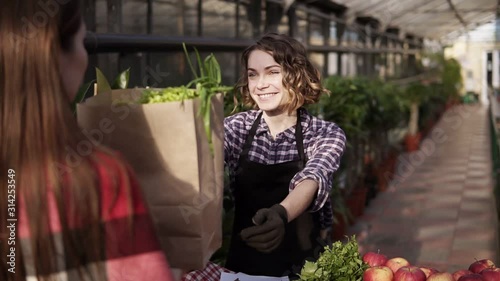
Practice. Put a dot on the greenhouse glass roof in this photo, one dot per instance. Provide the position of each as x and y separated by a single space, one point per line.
441 20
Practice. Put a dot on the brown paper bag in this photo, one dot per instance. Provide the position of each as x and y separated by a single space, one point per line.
182 179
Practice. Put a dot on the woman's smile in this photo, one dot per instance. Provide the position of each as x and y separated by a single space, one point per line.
266 96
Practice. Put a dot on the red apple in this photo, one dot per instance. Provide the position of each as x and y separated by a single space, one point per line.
396 263
459 273
409 273
441 276
491 274
479 265
378 273
429 270
471 277
374 259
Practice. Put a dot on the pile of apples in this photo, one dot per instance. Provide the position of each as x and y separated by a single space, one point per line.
399 269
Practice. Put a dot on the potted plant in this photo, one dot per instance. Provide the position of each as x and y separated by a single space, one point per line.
341 213
451 79
414 95
387 113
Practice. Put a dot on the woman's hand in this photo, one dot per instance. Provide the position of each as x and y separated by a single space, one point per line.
269 229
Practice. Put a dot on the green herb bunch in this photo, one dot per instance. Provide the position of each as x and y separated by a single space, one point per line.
338 262
207 83
169 94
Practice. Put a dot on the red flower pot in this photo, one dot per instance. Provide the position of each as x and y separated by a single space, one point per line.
412 142
339 229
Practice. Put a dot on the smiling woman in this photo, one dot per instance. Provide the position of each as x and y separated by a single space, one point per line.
265 83
281 160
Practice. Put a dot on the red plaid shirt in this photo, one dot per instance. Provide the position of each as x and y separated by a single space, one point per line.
130 255
211 272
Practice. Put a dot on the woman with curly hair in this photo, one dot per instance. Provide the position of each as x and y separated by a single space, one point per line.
68 211
281 160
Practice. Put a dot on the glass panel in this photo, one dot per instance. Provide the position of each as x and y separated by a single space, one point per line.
316 35
283 27
246 30
134 17
219 19
101 17
333 33
318 60
175 18
333 64
390 65
166 69
301 26
353 38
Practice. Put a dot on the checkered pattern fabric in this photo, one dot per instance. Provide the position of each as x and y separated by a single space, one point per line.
211 272
132 250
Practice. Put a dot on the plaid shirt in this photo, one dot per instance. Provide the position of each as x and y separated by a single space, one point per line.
131 254
324 144
211 272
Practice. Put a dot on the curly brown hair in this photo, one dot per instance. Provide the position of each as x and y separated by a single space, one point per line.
300 78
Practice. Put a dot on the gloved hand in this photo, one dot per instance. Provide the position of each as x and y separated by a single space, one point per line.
269 229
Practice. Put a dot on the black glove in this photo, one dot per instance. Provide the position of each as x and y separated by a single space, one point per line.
269 229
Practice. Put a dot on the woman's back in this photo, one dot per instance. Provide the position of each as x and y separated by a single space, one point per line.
76 210
130 248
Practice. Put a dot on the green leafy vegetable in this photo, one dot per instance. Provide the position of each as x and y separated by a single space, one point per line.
121 81
102 83
338 262
169 94
80 95
205 85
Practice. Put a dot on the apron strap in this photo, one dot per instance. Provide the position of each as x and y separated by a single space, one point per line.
249 139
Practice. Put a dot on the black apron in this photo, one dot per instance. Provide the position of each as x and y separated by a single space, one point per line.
259 186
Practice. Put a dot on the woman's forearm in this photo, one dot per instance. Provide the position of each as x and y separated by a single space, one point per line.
300 198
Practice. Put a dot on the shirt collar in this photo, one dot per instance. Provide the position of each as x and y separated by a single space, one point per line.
263 128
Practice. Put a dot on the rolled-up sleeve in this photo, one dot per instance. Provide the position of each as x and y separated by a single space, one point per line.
324 159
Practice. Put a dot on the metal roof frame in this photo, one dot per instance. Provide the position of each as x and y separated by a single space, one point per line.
431 19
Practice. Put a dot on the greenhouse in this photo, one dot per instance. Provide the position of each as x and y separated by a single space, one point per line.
209 140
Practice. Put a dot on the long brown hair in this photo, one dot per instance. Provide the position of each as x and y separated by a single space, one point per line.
38 130
300 78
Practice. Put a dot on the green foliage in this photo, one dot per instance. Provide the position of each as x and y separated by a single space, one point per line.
233 104
206 84
360 105
415 92
447 72
451 77
387 108
339 205
120 82
81 94
347 105
102 82
338 262
169 94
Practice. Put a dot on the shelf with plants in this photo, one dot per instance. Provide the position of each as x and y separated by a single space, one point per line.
377 117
